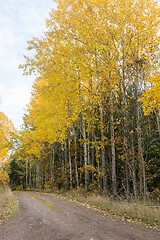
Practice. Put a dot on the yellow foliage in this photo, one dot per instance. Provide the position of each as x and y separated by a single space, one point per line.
90 48
4 178
151 98
6 130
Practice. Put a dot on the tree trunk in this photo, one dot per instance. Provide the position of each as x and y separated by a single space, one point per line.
75 157
158 122
93 157
37 175
134 171
30 177
103 150
81 161
140 155
98 166
114 179
125 125
65 164
52 165
102 130
70 165
85 153
26 173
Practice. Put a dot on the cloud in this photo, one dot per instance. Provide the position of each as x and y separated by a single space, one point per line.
14 100
19 21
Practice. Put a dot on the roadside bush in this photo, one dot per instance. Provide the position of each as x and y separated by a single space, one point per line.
19 188
8 204
5 194
4 178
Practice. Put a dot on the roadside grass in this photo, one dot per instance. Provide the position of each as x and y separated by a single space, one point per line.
44 201
141 213
8 204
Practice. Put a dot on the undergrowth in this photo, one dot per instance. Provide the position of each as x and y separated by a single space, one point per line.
8 204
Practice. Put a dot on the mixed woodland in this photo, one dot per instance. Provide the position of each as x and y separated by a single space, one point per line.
93 120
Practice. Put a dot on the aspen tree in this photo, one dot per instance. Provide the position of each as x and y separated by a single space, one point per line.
94 54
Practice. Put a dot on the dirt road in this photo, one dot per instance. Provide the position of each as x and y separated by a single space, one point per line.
35 221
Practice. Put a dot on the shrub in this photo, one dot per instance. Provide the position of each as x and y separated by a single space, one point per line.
19 188
4 178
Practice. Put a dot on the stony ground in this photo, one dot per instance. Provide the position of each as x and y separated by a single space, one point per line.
68 221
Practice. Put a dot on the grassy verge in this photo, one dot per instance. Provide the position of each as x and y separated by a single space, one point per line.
8 205
44 201
139 213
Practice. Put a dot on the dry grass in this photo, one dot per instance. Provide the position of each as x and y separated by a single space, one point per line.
5 195
8 204
136 211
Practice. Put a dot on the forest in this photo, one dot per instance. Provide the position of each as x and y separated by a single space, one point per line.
93 120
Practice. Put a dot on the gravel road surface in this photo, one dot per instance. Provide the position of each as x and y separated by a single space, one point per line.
70 221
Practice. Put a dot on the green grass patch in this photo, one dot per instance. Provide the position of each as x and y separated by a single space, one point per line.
8 205
47 203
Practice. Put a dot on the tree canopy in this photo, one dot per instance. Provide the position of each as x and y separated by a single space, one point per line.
84 124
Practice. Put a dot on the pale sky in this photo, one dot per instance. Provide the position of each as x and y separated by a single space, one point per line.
20 20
